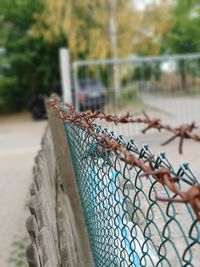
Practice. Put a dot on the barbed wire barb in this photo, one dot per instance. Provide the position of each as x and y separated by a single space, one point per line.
162 175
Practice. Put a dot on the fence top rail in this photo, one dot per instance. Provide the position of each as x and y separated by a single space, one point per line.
135 59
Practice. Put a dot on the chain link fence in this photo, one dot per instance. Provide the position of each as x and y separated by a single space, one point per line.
127 225
168 86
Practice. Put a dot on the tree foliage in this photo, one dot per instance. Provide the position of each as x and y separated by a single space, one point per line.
156 23
31 33
184 36
87 26
30 63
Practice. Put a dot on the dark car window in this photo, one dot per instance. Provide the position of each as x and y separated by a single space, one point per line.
84 84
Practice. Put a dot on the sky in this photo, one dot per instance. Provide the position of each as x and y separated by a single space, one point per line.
141 4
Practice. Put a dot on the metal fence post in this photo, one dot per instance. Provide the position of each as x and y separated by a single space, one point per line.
75 85
65 72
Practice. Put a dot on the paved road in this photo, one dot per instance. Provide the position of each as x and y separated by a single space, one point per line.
19 143
177 110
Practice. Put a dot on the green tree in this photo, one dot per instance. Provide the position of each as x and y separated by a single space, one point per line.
106 28
90 26
156 21
32 31
31 62
184 36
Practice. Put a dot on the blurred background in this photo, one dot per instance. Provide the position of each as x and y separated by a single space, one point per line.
125 55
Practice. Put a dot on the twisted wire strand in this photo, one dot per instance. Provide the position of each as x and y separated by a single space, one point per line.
161 175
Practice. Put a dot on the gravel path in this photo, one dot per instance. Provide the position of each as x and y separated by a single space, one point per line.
19 143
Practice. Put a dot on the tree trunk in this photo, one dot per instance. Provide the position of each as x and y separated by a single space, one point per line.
32 86
183 75
113 40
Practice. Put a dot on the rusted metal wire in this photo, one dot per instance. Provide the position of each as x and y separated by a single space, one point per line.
182 132
161 175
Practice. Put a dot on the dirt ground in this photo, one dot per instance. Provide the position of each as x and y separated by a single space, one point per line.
19 142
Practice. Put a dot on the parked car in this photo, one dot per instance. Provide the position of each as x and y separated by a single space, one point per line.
37 106
91 94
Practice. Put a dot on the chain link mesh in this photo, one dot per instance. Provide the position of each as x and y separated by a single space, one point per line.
127 225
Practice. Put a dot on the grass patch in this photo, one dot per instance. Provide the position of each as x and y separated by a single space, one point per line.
129 95
131 101
128 100
18 257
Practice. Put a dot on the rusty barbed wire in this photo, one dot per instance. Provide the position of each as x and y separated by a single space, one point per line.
161 175
182 132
